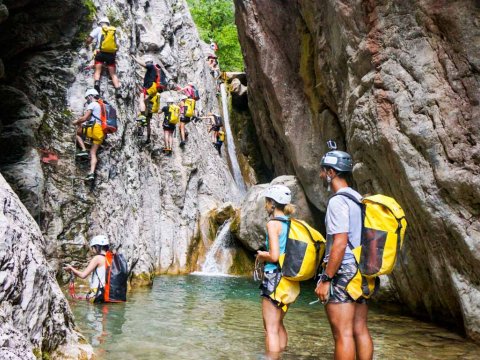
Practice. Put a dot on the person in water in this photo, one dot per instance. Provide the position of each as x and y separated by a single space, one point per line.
274 288
343 222
96 267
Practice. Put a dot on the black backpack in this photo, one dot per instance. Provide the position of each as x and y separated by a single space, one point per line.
218 120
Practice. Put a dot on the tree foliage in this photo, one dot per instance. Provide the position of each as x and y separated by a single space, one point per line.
215 19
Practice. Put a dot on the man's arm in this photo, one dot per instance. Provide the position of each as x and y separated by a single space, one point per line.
84 118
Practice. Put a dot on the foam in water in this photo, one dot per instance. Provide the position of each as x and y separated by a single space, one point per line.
237 174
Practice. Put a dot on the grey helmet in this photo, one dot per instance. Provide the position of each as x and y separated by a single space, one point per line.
338 160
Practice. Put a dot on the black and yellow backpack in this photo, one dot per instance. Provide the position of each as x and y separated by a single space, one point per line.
383 232
108 42
304 250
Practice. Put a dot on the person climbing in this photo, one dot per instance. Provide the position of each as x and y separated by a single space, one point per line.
171 118
106 48
277 292
190 91
220 141
96 267
216 123
92 130
343 220
154 82
187 113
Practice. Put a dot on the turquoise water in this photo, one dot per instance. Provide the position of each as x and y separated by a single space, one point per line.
200 317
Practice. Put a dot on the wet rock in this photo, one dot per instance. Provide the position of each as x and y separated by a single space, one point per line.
251 227
396 85
35 317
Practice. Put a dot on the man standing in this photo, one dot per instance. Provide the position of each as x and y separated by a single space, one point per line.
343 220
105 52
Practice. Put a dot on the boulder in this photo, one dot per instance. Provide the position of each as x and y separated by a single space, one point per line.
250 229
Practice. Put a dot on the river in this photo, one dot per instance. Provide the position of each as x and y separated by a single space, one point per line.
214 317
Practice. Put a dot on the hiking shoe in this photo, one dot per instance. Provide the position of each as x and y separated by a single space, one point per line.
148 141
90 177
118 93
182 143
82 154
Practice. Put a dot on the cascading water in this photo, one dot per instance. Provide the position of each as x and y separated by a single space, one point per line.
218 259
237 174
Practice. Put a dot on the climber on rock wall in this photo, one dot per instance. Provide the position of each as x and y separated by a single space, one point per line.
171 118
91 128
154 82
216 124
106 48
220 141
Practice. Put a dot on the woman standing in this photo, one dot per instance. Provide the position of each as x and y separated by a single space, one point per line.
277 292
96 267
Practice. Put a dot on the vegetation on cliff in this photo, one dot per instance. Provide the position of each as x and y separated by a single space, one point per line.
215 20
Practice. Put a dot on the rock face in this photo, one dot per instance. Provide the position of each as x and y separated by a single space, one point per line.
146 202
396 85
253 217
35 317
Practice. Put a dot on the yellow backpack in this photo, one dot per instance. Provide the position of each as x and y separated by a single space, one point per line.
189 107
384 225
174 111
221 136
108 41
155 103
304 250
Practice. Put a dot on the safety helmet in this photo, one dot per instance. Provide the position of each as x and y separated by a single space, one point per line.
169 100
338 160
148 59
280 193
104 20
101 240
91 92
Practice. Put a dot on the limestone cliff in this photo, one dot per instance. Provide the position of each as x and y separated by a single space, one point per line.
149 205
35 317
396 84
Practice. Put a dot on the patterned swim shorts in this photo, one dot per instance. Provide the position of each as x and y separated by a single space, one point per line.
338 292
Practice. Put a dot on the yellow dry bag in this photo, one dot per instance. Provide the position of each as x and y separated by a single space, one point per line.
221 136
108 41
174 111
155 101
383 232
189 107
304 250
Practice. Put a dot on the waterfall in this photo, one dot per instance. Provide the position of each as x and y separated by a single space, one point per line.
219 259
237 174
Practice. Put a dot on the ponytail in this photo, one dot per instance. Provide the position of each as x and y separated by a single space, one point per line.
289 209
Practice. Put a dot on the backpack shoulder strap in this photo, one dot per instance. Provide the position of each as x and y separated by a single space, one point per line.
279 219
359 203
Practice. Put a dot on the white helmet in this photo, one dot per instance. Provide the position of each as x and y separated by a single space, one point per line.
104 20
91 92
148 59
280 193
169 100
101 240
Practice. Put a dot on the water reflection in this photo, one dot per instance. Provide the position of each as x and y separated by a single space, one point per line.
195 317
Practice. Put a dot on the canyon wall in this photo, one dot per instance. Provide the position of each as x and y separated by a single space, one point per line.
395 83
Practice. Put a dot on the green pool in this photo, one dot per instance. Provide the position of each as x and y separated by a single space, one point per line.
203 317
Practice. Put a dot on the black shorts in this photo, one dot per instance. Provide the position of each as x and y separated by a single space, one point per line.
169 128
215 128
185 120
105 58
